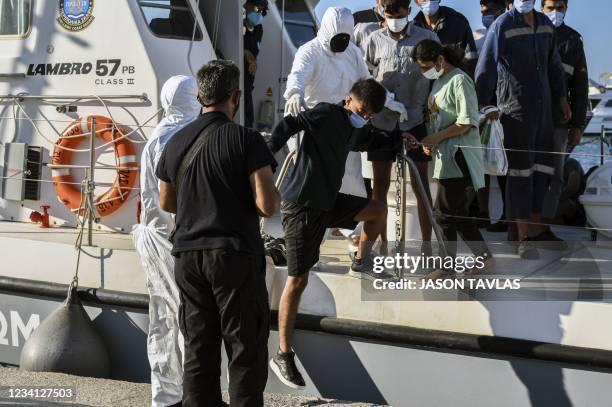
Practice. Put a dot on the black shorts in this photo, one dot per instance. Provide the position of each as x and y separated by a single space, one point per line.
419 132
305 229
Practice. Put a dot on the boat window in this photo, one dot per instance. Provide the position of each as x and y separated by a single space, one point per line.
15 17
169 19
609 103
299 22
594 103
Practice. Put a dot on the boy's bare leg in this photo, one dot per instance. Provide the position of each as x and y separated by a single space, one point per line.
288 308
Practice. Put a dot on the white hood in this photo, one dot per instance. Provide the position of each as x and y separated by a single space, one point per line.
179 100
336 20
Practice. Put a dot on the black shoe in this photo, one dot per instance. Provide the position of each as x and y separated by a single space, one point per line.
283 366
526 250
498 227
549 241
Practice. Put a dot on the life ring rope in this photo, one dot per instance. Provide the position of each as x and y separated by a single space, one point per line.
125 159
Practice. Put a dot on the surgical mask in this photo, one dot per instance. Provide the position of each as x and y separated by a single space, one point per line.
357 121
556 17
339 43
525 6
433 73
430 8
255 18
397 25
487 20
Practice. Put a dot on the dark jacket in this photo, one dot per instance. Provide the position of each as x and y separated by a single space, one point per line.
454 29
571 51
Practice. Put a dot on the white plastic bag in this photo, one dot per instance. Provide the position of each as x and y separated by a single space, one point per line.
494 154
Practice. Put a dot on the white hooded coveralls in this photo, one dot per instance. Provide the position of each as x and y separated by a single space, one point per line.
165 342
320 75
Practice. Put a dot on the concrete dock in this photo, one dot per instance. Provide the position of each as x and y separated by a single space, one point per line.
111 393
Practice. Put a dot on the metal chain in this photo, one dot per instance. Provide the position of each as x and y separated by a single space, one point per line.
399 178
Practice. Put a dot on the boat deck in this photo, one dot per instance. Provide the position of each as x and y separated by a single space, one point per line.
64 235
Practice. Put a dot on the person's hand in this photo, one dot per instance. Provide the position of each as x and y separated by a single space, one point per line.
295 105
411 142
252 67
575 136
566 111
429 143
397 107
492 116
428 150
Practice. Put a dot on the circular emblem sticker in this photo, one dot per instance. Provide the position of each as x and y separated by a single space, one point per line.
75 15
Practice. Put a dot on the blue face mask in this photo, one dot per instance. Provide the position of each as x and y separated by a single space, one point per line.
430 8
525 6
487 20
255 18
357 121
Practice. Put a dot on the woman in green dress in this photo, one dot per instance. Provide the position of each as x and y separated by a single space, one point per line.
454 141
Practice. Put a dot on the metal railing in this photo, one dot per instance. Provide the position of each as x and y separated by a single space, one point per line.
24 96
424 198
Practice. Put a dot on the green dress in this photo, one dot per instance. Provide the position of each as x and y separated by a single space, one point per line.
453 100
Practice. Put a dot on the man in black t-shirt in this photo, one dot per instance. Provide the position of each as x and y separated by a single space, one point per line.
312 202
220 266
254 13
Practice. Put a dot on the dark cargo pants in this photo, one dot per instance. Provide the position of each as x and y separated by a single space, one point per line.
223 296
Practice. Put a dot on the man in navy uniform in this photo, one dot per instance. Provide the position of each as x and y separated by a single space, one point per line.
520 64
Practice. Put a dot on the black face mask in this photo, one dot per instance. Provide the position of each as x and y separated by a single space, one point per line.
339 43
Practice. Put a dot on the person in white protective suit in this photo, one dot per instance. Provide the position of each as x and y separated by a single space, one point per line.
165 342
324 70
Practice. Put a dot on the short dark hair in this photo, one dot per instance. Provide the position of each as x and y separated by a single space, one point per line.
217 81
565 1
394 6
500 3
371 93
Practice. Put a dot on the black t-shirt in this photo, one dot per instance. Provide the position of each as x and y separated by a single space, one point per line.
215 207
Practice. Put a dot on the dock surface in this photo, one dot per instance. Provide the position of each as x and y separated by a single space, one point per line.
92 392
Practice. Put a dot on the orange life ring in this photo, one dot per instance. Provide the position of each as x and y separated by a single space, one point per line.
68 190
